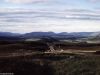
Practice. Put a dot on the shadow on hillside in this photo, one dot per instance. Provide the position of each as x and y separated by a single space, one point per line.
25 68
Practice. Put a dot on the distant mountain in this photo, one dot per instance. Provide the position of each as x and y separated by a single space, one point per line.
94 36
63 35
39 35
9 36
82 34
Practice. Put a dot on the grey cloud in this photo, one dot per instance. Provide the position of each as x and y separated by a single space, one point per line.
25 1
33 16
94 0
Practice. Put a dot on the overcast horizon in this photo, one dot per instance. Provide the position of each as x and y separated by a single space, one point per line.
24 16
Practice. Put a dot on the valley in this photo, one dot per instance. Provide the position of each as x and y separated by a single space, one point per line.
49 55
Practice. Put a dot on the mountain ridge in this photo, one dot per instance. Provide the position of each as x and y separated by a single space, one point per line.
62 35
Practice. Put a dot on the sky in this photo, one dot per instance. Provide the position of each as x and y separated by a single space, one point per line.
24 16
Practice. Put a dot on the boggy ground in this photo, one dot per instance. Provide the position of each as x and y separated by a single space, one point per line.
30 58
51 64
10 46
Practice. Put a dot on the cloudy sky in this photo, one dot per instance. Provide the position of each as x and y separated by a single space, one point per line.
23 16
